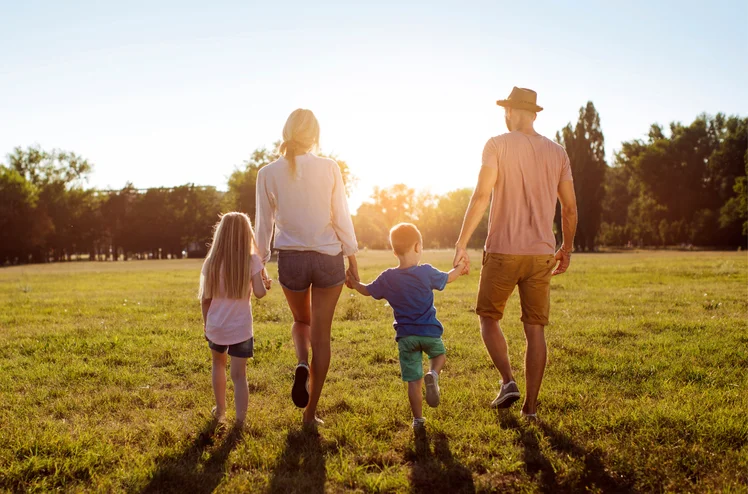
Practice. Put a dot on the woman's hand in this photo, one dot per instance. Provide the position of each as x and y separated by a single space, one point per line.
352 271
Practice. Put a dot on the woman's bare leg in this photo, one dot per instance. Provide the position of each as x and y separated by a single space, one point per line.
300 304
324 301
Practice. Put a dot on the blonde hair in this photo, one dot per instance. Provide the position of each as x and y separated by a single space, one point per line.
230 254
403 237
300 135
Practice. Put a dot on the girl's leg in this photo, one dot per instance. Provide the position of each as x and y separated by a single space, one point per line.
241 390
219 383
415 397
324 301
301 307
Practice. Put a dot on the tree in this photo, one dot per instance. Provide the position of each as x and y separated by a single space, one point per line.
585 145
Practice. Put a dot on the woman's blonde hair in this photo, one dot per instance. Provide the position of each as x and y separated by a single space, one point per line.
230 253
300 135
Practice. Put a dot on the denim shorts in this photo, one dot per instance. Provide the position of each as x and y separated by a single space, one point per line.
245 349
300 269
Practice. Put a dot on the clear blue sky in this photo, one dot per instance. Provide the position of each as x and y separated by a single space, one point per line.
405 92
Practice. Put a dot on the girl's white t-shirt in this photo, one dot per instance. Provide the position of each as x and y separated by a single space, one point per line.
230 320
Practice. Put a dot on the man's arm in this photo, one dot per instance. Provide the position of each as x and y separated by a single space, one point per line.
478 203
568 199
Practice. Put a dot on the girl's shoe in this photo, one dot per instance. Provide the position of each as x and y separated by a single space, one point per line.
432 388
218 418
419 423
312 426
530 417
300 389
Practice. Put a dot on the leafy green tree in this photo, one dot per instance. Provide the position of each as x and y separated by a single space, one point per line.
585 145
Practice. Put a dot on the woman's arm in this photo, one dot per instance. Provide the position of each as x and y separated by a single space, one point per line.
264 217
341 218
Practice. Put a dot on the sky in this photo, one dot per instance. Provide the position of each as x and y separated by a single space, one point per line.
167 93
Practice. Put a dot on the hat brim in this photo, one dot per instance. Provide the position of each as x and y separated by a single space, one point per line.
520 105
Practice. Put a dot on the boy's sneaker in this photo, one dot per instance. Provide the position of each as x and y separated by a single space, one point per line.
300 390
509 394
432 388
419 423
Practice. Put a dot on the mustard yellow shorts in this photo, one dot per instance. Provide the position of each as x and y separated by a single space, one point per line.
502 272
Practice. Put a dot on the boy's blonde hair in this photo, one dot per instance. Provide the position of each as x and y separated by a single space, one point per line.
403 237
230 253
300 135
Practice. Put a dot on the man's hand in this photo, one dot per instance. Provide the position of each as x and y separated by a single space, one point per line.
563 257
462 258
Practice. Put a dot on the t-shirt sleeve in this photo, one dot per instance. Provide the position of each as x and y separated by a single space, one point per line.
491 154
255 264
377 287
437 279
565 168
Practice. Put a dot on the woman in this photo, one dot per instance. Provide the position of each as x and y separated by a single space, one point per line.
302 197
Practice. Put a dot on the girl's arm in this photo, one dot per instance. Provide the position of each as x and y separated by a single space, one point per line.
205 306
258 285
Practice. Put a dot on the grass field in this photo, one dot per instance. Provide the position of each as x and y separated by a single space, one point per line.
105 386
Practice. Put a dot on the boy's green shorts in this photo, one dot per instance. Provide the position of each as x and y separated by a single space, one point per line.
411 358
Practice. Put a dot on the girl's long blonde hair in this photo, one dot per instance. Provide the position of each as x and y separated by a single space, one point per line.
230 253
300 135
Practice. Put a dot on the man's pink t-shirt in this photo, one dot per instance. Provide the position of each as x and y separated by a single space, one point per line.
230 320
530 168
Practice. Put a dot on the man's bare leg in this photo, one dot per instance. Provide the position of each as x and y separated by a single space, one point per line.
535 359
497 348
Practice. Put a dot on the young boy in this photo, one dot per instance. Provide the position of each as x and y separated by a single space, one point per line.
409 290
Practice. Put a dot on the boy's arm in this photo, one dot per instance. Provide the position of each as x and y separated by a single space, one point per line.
359 287
205 306
457 271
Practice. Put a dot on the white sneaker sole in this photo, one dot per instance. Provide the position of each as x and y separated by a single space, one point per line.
432 390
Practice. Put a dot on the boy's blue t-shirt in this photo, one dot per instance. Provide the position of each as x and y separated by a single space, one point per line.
410 293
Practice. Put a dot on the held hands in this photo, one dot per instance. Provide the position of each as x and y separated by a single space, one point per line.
462 259
266 279
352 274
563 257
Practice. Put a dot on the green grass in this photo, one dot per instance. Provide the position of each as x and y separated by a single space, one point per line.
105 386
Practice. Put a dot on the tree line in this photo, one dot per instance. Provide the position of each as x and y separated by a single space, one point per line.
686 186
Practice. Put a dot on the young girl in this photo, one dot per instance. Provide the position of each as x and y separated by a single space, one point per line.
231 272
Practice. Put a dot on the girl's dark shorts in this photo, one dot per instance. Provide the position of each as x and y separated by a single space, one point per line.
300 269
245 349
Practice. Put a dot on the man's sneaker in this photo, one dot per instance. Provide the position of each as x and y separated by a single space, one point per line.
432 388
300 390
509 394
419 423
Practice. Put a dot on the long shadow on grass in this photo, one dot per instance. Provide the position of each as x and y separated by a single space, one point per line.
187 472
537 465
301 465
437 470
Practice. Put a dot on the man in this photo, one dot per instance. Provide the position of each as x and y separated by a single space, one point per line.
522 176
